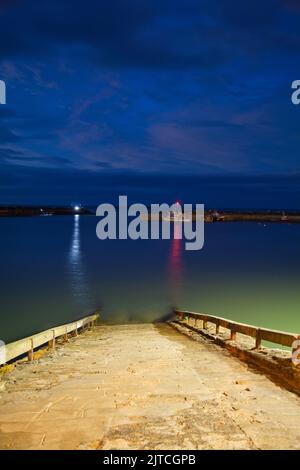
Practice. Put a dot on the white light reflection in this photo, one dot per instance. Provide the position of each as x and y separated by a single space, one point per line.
77 275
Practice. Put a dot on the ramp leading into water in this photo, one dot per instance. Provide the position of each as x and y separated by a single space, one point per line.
144 387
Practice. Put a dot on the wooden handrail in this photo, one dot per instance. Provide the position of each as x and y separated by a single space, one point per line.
27 345
273 336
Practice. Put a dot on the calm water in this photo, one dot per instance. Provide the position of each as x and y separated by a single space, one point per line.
54 269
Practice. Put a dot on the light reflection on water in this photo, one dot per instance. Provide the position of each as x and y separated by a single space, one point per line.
76 269
54 269
175 266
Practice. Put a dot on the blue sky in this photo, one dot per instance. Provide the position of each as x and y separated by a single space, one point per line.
155 99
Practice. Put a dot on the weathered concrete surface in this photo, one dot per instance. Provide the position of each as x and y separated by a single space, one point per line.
144 387
273 362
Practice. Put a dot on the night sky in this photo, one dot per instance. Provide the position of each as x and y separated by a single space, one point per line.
154 99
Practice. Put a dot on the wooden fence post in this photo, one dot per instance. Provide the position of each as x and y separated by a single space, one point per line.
30 352
258 339
232 335
66 336
51 343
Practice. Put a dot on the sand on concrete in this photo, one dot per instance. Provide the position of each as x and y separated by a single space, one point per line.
144 387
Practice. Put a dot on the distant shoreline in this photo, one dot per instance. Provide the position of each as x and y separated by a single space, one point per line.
29 211
253 216
210 215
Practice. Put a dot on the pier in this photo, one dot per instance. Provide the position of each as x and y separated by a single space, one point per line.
184 384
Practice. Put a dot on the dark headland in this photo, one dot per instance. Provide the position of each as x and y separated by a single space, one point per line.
211 215
23 211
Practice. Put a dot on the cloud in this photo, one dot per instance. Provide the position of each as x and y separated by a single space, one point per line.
35 185
7 135
191 87
9 153
169 34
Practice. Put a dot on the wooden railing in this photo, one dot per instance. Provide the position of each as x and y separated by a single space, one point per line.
260 334
28 345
